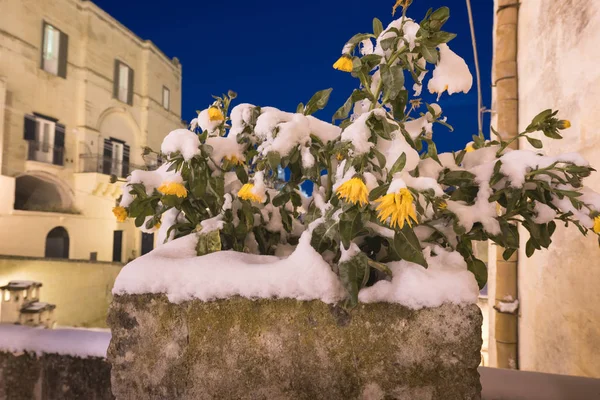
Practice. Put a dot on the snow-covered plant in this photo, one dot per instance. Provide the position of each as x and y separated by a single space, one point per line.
381 192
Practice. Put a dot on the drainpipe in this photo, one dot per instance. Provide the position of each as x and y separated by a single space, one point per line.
2 107
507 102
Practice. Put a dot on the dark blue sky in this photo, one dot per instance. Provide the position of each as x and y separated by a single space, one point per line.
278 53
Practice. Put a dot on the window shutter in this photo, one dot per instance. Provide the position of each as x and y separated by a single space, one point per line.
42 46
130 88
29 127
59 145
107 157
116 80
63 53
126 150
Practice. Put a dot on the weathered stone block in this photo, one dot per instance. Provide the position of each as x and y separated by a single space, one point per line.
288 349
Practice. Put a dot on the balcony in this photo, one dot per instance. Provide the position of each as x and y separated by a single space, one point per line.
109 166
44 152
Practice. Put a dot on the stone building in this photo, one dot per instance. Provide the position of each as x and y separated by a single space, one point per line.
80 96
546 56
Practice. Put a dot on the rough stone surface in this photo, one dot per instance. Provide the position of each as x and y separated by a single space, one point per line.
51 376
288 349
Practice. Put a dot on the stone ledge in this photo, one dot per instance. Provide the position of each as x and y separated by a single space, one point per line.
26 376
288 349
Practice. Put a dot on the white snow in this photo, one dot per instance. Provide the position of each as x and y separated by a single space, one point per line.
150 179
450 74
359 133
507 306
517 163
211 224
348 254
66 341
182 140
544 213
174 269
447 280
225 147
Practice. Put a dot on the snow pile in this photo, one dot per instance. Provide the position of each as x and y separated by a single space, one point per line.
447 280
181 140
450 74
150 179
74 342
174 269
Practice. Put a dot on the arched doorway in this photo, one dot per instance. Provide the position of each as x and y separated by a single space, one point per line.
57 243
41 193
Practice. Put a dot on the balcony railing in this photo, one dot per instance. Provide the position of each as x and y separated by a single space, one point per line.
109 166
44 152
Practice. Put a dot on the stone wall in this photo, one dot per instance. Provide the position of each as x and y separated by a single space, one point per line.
50 376
559 326
288 349
81 290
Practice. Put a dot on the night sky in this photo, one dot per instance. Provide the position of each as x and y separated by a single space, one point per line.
278 53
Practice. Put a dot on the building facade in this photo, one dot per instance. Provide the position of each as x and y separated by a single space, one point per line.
546 57
80 96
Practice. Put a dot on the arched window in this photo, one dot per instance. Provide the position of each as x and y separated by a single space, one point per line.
57 243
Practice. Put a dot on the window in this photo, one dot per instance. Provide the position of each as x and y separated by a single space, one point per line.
54 50
166 99
123 83
46 139
115 158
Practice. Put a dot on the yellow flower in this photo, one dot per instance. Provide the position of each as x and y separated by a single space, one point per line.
120 213
215 114
339 156
157 226
398 207
245 193
233 160
564 124
344 63
596 228
173 188
469 148
443 205
354 191
400 3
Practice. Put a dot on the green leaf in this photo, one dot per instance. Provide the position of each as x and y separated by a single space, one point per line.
398 165
479 269
534 142
457 178
274 159
408 247
430 54
281 199
286 219
344 110
350 224
300 108
352 275
377 27
378 192
208 243
318 101
381 267
241 174
393 80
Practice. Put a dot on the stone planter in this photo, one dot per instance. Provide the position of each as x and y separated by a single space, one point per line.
288 349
